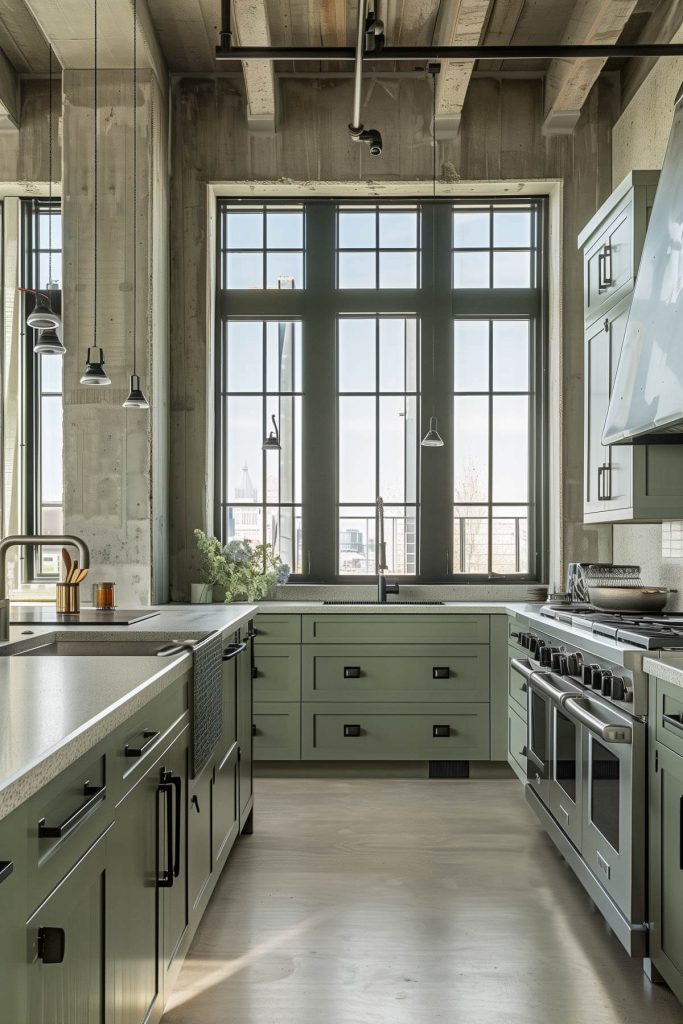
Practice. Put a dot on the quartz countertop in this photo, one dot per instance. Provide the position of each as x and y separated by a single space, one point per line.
55 709
668 667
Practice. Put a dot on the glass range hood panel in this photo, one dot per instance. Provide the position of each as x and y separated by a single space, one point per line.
647 397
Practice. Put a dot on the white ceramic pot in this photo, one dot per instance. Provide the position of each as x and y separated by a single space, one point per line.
201 593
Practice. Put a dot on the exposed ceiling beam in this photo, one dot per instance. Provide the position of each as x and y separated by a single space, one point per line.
24 44
459 23
9 96
187 31
250 27
68 24
664 26
569 82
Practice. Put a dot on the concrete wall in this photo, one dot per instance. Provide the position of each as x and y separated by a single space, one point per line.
500 139
639 143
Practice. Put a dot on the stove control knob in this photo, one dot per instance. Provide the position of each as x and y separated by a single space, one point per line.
545 656
574 664
524 639
540 644
596 677
618 688
588 671
558 663
606 680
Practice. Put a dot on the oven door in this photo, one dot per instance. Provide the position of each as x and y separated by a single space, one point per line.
613 818
565 789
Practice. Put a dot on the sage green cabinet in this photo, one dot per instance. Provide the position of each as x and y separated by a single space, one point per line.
224 808
277 731
666 865
277 629
277 672
174 907
396 628
245 735
13 919
67 968
199 837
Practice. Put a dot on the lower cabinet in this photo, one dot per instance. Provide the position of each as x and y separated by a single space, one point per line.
199 838
13 919
277 731
245 734
517 743
666 865
67 969
224 809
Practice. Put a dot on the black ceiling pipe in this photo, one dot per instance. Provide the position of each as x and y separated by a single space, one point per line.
225 35
430 53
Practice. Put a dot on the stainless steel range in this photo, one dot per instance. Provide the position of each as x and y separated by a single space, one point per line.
587 700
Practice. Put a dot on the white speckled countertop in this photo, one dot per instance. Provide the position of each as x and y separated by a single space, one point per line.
53 710
668 667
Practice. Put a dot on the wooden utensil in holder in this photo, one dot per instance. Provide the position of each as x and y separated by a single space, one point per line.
68 597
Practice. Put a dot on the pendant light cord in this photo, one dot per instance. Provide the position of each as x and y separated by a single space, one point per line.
135 179
95 167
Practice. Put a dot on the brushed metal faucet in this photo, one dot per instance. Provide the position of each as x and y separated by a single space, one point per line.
26 541
383 588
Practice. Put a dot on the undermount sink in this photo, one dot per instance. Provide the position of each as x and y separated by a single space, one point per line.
104 649
379 604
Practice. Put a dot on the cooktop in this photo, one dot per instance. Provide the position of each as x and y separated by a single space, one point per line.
652 632
47 615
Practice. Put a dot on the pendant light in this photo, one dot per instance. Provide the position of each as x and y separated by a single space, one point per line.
49 343
136 398
42 317
433 438
272 442
95 373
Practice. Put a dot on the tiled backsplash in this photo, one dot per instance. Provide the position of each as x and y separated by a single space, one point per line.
672 539
649 547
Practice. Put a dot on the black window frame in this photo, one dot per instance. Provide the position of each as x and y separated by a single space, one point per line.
435 303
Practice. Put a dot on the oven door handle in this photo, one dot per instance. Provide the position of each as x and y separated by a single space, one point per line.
522 667
541 683
608 733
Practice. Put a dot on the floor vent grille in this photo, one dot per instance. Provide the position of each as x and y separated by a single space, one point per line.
449 769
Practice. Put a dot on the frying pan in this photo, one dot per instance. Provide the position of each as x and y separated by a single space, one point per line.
628 599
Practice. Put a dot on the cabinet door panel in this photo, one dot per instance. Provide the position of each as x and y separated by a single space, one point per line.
13 918
245 719
597 383
224 810
619 485
174 903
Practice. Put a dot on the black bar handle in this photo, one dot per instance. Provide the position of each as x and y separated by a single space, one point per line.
149 736
251 634
165 876
441 672
441 731
177 784
51 945
95 795
6 869
232 650
607 277
351 730
351 671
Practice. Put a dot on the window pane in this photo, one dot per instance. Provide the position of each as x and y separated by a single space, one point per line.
49 270
397 443
400 536
357 367
245 270
51 367
357 230
397 270
244 355
471 355
471 270
51 476
512 229
470 539
244 524
511 270
357 270
470 448
510 448
357 438
471 229
511 355
285 230
398 354
283 268
283 355
398 229
244 230
283 533
52 519
281 465
510 540
356 555
244 420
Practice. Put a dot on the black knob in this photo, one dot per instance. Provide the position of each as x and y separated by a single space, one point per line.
618 688
588 674
573 665
545 656
596 677
606 683
524 640
556 659
533 643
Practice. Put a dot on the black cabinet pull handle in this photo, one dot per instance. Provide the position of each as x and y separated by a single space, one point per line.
232 650
251 634
351 671
51 945
6 869
171 785
254 730
351 730
95 795
522 752
254 672
441 672
441 731
149 736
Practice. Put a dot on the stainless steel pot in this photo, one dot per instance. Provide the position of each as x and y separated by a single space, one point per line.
628 599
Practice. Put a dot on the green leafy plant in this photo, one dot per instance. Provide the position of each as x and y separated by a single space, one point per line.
245 571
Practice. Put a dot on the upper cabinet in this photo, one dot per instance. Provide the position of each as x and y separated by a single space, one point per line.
642 483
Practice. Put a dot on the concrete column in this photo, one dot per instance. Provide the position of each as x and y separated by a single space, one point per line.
115 474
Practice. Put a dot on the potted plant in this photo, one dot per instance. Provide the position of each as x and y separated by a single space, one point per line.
210 567
245 571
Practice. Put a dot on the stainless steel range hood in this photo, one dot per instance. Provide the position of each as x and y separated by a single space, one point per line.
647 398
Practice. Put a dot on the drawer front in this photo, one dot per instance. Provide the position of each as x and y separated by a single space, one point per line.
669 715
277 629
516 685
381 673
517 743
277 731
277 672
396 628
81 815
380 732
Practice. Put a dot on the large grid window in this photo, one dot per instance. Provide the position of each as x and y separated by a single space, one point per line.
396 311
43 397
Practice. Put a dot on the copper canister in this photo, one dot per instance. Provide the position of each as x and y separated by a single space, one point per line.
104 596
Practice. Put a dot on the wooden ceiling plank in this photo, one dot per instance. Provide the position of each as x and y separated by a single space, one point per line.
251 28
568 83
459 23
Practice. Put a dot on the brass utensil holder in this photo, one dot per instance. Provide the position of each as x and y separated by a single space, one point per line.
68 597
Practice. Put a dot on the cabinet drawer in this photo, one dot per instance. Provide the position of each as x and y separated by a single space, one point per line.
77 804
517 743
396 628
380 732
669 715
412 672
277 672
277 731
277 629
516 686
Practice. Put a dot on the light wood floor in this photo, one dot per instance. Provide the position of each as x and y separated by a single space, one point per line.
405 902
